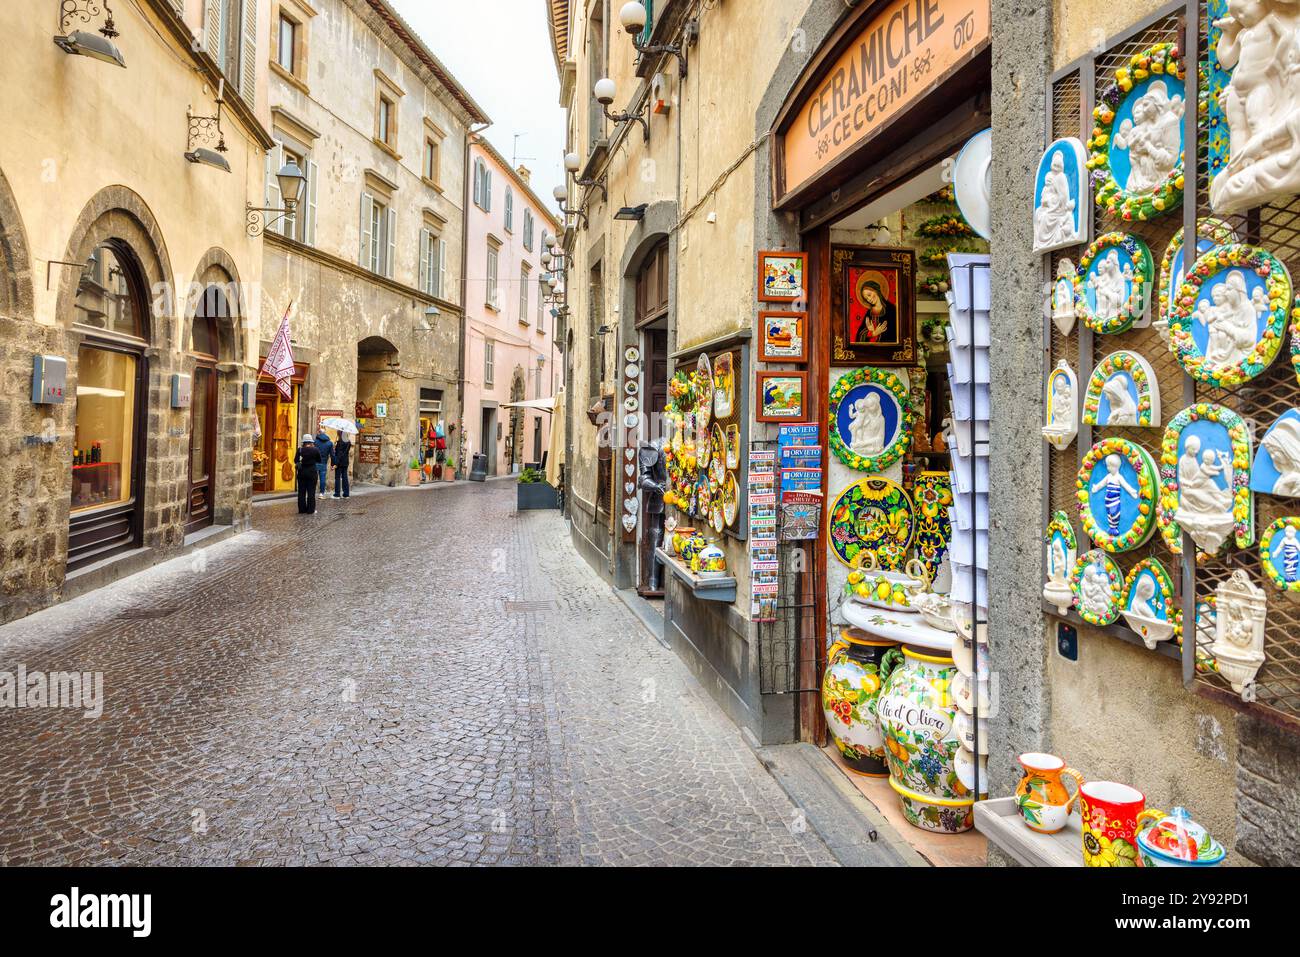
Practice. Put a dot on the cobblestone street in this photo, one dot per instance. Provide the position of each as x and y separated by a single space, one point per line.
406 677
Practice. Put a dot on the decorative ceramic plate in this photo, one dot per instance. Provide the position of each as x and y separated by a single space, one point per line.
630 421
872 515
1137 144
1279 553
717 453
1116 491
733 446
703 447
631 387
716 517
1111 284
730 499
631 403
633 354
932 496
1230 317
724 386
1098 587
631 371
871 419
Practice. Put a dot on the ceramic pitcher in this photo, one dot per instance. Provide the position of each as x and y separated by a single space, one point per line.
855 673
1042 797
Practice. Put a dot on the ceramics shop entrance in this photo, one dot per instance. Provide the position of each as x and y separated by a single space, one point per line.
652 308
280 428
865 156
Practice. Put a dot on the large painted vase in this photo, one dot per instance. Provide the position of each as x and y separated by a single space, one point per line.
855 675
917 714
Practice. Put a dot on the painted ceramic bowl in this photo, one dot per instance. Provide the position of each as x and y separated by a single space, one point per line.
950 816
1175 840
713 562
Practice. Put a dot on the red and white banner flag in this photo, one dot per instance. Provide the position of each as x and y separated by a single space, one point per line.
279 363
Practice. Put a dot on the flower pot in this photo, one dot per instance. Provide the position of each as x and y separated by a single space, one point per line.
856 671
534 495
448 473
413 476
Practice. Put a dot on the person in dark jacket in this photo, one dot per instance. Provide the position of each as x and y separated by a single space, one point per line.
326 449
342 457
308 460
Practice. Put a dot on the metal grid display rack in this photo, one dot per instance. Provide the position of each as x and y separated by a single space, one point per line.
1275 694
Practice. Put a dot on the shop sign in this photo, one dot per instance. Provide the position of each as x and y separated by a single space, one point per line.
369 445
899 56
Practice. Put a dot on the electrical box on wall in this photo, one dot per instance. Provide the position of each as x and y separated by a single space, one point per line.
181 387
1067 641
660 93
49 379
248 396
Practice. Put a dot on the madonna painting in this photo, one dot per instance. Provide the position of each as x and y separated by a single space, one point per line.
872 305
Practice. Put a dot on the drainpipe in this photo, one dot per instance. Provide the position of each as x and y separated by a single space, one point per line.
471 134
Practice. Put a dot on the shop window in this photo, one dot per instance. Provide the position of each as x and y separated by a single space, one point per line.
103 445
106 298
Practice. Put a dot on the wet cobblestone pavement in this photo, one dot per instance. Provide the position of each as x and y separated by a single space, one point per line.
407 677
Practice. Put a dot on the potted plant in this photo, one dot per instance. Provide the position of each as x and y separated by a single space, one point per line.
449 470
413 475
534 492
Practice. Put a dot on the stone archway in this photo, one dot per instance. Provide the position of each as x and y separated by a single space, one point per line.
380 403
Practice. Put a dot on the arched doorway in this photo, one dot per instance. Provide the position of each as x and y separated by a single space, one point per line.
109 433
515 440
382 454
205 349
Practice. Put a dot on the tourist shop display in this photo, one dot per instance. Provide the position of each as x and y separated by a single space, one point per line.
1241 611
1098 587
1276 468
1122 390
1149 606
1136 147
871 419
1061 548
1111 284
1061 201
1061 405
1175 840
1042 797
1116 491
1205 479
1230 317
857 668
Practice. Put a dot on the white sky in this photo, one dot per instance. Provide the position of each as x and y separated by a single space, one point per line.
500 51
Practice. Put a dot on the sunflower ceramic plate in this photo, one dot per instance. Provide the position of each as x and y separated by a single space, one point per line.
872 515
730 499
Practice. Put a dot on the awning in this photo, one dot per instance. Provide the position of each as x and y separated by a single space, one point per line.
555 454
545 405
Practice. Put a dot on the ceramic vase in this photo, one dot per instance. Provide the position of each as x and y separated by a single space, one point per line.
856 671
917 714
1041 796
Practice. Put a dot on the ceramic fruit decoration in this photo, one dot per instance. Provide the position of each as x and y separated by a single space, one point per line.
1109 814
1122 391
1149 606
855 674
1116 491
916 719
1111 284
1062 404
1098 587
1205 480
871 419
1230 317
1175 840
1062 548
1042 797
1136 147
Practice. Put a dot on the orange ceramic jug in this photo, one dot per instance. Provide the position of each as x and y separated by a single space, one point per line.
1042 797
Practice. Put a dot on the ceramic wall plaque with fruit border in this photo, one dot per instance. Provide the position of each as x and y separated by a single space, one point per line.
1123 390
1205 480
1098 587
1136 147
1279 555
871 419
1062 550
1149 606
1116 491
1111 285
1230 318
1210 233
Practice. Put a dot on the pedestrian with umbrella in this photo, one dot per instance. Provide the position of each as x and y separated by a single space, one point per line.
342 455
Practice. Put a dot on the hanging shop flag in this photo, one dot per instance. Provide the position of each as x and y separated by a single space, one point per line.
279 363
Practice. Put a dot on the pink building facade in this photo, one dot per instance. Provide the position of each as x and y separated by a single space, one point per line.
510 353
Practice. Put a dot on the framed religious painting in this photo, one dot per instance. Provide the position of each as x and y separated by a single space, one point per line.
782 396
873 305
782 276
783 336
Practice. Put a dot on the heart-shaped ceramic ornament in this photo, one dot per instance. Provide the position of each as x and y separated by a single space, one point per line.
629 453
629 522
629 488
630 504
630 470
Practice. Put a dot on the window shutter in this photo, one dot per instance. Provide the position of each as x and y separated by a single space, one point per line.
274 160
367 207
309 230
212 29
424 260
487 190
442 269
391 226
248 55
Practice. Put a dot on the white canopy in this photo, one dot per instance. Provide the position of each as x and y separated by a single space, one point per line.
545 405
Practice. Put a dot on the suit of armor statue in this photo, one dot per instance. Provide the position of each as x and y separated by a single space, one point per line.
654 482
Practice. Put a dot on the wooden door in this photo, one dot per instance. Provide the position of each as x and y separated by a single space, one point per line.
203 447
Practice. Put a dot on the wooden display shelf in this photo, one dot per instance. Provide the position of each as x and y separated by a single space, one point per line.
999 820
706 589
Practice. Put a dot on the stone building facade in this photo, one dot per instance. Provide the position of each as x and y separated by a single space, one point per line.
372 263
510 354
131 265
701 180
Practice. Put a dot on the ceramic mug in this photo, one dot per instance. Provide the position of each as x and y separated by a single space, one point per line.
1109 813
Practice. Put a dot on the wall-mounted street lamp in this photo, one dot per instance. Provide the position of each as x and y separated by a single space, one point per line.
633 17
81 43
291 180
205 129
561 194
425 323
605 91
573 163
632 214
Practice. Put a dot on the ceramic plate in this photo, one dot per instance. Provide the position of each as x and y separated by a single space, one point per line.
631 403
730 499
717 518
633 354
872 515
631 387
630 421
733 446
631 371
